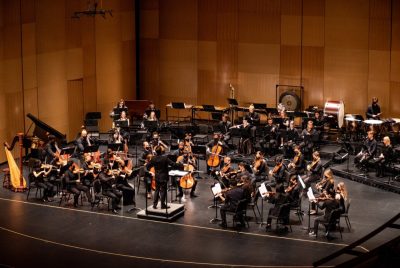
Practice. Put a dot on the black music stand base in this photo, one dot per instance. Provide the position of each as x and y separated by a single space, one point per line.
216 206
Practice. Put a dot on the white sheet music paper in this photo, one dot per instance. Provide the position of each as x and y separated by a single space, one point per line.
263 190
179 173
216 189
301 182
310 194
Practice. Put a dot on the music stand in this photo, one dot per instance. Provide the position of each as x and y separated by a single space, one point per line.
216 190
93 115
263 193
67 150
260 106
150 125
122 123
216 116
116 116
178 105
208 107
115 146
199 150
271 111
91 149
232 102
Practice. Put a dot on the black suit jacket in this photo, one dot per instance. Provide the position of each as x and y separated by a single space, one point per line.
161 165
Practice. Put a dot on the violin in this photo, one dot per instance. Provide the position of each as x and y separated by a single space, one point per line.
277 168
291 187
313 164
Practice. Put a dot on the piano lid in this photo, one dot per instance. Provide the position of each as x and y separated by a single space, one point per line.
43 128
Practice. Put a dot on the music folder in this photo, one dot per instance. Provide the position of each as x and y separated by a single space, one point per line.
263 190
178 105
301 182
310 194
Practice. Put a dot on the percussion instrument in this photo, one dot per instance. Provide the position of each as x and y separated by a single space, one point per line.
335 109
373 122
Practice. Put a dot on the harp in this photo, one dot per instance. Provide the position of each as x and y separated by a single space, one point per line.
17 180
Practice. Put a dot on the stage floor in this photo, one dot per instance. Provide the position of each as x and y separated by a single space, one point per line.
33 233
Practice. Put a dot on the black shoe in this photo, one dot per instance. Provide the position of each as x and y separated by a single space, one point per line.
164 207
76 205
193 195
155 206
223 225
114 211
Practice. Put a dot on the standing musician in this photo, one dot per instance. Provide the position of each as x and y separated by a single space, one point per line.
270 133
161 164
278 173
297 165
73 183
254 120
245 143
368 151
224 127
308 135
215 148
108 187
314 169
52 150
374 110
385 156
189 163
83 141
289 140
260 168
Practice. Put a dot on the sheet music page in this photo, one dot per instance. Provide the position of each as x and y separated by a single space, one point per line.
216 189
263 190
310 194
301 182
180 173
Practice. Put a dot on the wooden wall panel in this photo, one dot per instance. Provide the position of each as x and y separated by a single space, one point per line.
75 107
207 20
313 75
394 99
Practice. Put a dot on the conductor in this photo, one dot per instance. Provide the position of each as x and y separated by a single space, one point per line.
161 164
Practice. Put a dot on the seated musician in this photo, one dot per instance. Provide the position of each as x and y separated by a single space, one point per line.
344 196
215 148
268 143
87 165
232 198
111 161
293 189
245 143
189 162
243 170
297 166
152 113
254 120
108 188
224 127
151 117
41 177
123 177
309 134
384 157
146 151
119 108
277 174
83 141
224 173
278 198
329 205
188 141
374 110
368 151
156 141
325 189
314 169
73 184
260 168
289 140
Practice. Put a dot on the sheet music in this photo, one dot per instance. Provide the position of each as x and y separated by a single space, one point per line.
216 189
263 190
301 182
310 194
179 173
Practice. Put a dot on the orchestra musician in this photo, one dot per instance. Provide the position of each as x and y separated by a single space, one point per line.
161 164
384 157
152 113
278 198
277 174
254 120
40 174
107 180
297 165
329 205
309 134
293 189
314 169
188 143
189 163
288 139
374 110
224 173
319 121
119 108
224 127
325 189
344 196
123 176
232 198
156 141
245 143
83 141
268 143
215 149
368 151
73 183
259 166
52 150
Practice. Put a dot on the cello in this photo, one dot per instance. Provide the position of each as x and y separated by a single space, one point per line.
213 160
187 181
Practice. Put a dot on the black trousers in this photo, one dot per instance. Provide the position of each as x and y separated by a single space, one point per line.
317 221
47 189
161 192
115 196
